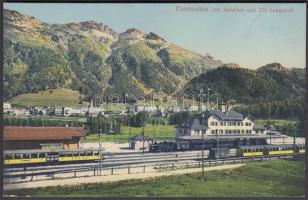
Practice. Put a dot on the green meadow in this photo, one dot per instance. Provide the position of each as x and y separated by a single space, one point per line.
279 178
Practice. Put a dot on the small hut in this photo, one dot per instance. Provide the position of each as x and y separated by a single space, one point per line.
138 142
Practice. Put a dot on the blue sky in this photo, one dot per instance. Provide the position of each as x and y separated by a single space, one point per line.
249 39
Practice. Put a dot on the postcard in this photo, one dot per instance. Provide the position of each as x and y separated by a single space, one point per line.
154 99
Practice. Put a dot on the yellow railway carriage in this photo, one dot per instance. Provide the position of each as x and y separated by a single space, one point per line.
281 150
251 151
301 149
260 150
28 157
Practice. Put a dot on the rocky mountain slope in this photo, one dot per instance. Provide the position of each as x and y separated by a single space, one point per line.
89 56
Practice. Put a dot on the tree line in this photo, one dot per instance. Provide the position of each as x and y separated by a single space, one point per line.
291 108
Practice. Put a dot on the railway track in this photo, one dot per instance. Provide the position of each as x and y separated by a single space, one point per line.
112 160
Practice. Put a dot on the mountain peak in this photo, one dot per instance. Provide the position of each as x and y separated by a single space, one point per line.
18 19
274 67
154 36
132 33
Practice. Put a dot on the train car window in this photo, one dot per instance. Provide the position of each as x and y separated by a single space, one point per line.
42 155
17 156
34 155
83 153
89 153
61 154
68 154
26 156
249 150
96 153
8 156
75 153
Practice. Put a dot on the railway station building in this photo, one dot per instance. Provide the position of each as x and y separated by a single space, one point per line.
24 137
225 129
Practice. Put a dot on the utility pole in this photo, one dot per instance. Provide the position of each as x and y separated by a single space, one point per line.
202 147
208 98
217 144
100 152
152 91
143 130
294 142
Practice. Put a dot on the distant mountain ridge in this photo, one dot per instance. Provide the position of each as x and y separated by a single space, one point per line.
89 56
268 83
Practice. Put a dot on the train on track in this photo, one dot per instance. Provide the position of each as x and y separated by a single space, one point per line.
65 156
239 151
38 157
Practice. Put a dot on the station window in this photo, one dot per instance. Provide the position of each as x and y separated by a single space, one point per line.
242 123
221 123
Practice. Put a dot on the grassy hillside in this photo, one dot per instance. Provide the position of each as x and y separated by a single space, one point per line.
279 178
160 132
60 96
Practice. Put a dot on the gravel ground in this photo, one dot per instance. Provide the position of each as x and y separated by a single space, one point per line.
120 175
109 146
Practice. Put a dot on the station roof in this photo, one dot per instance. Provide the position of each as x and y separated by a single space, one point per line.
229 115
18 133
140 138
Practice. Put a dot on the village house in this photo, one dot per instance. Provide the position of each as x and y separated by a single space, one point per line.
74 111
20 111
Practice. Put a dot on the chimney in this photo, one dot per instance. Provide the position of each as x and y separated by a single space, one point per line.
223 107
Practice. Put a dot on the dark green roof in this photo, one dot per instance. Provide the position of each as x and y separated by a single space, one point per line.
229 115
